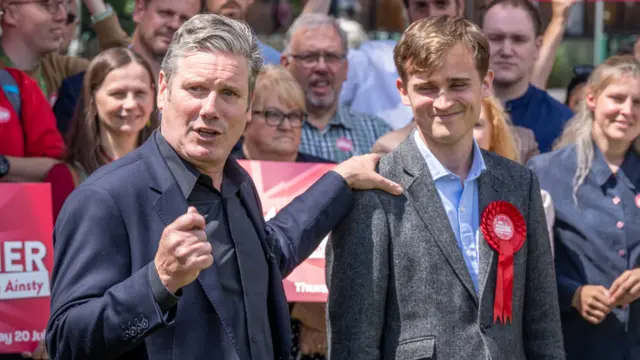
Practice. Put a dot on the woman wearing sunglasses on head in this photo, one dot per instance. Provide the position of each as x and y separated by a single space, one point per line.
594 179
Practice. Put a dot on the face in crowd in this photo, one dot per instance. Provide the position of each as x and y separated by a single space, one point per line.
316 57
443 79
125 99
234 9
420 9
40 24
514 44
205 106
158 20
616 109
278 114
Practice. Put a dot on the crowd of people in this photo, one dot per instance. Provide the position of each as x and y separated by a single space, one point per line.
173 259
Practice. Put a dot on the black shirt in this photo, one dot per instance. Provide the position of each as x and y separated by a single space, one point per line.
238 255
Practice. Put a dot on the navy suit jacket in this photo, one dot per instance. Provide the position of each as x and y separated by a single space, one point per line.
106 237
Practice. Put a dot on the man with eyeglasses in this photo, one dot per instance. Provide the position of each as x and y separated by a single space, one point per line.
33 32
315 54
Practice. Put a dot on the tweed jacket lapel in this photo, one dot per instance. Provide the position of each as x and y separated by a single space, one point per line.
423 196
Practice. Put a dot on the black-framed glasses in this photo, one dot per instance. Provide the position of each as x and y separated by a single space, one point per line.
312 59
274 117
51 5
71 18
582 70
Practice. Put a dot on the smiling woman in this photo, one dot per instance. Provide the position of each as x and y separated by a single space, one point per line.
116 115
593 178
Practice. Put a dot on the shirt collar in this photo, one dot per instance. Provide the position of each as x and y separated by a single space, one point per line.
187 175
438 170
628 173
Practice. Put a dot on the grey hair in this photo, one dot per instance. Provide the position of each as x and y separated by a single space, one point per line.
579 130
209 33
314 20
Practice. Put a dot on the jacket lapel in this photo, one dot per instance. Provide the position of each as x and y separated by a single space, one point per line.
487 193
423 195
169 203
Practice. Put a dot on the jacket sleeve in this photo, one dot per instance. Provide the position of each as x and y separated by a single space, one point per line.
357 274
110 33
100 308
42 138
542 330
297 229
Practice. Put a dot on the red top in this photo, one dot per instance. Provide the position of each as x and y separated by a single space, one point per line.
37 122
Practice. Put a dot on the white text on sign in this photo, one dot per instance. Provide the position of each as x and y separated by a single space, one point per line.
22 270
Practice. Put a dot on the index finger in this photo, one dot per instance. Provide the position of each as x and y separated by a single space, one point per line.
386 185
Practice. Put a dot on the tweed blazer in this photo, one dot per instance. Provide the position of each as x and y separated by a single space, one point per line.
399 287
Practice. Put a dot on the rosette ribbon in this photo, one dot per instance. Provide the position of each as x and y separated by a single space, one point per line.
505 231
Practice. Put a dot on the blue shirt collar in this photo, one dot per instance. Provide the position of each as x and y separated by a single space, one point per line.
438 170
628 173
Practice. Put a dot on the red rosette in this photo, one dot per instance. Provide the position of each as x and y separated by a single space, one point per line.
505 230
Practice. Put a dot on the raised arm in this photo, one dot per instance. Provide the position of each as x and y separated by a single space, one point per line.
550 41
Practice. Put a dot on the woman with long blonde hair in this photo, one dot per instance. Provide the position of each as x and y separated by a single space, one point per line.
594 179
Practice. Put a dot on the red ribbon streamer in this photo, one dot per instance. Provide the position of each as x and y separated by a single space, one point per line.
506 248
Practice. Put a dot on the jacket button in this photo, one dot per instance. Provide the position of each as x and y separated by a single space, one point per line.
485 327
253 338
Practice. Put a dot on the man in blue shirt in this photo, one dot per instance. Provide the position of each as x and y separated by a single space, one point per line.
416 275
513 28
237 10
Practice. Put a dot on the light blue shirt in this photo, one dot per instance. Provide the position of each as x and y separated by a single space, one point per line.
371 83
270 55
460 200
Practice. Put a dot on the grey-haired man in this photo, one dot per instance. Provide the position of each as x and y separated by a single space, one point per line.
172 259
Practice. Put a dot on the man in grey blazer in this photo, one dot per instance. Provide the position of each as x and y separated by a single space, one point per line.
414 276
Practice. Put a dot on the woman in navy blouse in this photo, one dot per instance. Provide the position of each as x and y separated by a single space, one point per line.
594 180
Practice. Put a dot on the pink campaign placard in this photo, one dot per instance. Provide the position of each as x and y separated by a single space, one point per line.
278 183
26 260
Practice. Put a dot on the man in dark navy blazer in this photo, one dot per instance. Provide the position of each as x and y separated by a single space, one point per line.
164 254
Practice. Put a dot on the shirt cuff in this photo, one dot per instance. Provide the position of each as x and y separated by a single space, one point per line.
163 297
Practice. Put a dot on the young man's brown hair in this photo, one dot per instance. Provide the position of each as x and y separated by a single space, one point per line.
525 5
424 44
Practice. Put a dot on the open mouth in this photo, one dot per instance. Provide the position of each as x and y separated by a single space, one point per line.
208 133
321 87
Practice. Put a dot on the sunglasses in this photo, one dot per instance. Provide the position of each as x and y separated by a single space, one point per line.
582 70
71 18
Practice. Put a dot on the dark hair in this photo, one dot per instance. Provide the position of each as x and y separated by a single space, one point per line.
581 74
83 143
525 5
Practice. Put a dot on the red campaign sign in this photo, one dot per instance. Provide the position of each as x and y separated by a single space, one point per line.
278 183
26 260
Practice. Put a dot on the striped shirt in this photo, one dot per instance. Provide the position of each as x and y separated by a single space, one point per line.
347 134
